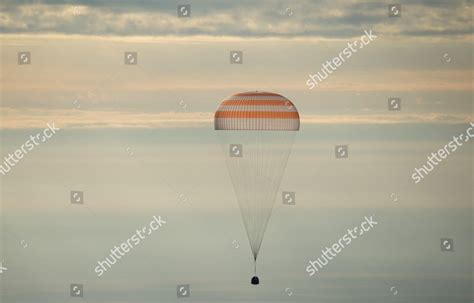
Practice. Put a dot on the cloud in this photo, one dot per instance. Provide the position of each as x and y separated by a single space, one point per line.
329 19
35 118
388 119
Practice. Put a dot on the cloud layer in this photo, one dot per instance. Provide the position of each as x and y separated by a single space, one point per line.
74 118
77 49
268 18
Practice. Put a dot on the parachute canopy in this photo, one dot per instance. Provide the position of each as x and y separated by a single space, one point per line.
256 130
257 111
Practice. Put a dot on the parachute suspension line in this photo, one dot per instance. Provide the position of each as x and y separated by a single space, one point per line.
255 267
256 177
257 162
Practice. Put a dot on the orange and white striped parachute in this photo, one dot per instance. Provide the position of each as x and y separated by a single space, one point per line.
257 111
256 130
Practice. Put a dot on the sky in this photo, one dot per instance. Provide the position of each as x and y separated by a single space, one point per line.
425 56
138 140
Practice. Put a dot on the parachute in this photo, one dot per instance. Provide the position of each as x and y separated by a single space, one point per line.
256 131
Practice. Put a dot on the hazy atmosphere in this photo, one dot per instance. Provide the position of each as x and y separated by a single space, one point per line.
111 106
